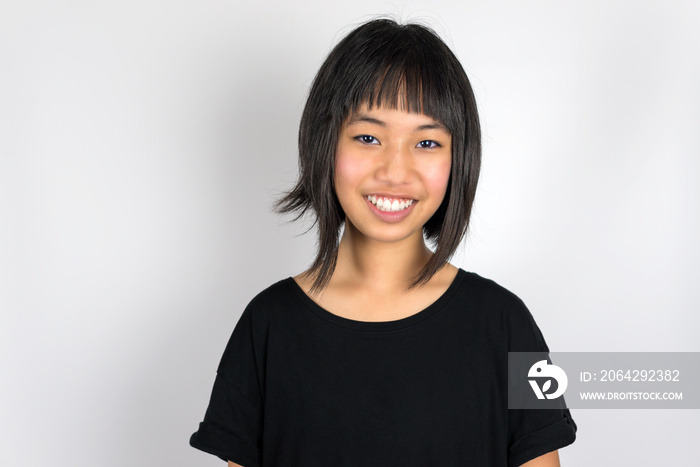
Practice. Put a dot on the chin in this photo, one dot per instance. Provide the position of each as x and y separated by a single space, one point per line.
389 234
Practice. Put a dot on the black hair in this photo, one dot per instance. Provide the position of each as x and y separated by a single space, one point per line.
383 63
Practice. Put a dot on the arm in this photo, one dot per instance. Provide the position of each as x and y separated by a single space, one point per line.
551 459
233 464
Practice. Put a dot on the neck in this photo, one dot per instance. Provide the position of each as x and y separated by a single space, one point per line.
379 266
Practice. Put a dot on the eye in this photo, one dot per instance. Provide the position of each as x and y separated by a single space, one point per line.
367 139
428 144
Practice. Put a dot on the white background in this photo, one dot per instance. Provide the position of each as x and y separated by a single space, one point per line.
142 144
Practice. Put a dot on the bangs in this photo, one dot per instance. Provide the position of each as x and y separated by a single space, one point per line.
407 72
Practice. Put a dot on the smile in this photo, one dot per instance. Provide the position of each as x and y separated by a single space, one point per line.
389 204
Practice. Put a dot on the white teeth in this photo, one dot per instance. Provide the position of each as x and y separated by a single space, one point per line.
390 204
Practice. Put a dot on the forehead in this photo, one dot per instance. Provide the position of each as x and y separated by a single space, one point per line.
389 117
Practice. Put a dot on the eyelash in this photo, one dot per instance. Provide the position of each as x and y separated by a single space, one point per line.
432 144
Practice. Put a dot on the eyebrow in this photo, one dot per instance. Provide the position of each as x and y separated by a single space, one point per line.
364 118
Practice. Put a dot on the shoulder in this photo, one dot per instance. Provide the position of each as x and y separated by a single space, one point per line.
491 294
253 325
275 297
503 312
279 292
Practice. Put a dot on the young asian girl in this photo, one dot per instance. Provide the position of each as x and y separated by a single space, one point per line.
382 353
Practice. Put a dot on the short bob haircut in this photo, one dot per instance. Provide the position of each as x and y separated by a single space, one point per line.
384 64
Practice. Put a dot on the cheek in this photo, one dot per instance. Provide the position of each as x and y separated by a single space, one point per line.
437 176
349 171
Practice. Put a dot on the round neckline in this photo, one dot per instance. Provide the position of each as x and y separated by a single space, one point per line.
374 326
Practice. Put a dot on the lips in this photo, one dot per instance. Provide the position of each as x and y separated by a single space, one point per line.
389 204
404 206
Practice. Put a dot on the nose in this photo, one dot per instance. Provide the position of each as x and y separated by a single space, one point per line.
396 166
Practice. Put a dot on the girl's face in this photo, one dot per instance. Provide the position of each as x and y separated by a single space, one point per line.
392 170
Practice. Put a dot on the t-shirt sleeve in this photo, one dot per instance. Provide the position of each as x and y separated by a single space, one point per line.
232 425
533 432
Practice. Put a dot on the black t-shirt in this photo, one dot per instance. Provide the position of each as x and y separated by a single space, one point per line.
300 386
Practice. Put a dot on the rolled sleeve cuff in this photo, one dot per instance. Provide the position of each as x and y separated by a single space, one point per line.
542 441
224 445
